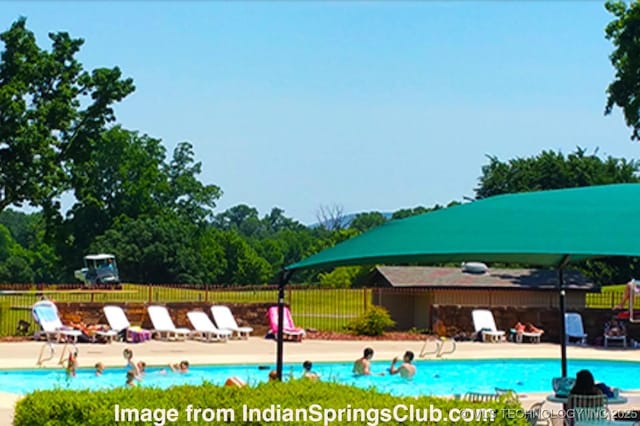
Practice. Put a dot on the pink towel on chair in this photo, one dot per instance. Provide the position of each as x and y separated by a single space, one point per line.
288 326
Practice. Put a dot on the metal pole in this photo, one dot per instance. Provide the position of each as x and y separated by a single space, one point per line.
285 276
563 309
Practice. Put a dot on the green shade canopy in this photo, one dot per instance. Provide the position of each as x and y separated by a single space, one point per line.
535 228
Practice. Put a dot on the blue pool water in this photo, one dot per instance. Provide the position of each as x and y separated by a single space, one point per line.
439 377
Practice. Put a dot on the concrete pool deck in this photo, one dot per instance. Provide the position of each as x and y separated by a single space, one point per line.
262 351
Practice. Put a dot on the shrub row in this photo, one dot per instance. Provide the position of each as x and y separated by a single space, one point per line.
225 405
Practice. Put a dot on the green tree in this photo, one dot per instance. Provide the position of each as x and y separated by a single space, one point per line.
15 261
127 176
241 218
362 222
50 106
162 249
188 196
624 34
553 170
243 264
405 213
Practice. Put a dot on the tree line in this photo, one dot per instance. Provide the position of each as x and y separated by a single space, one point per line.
59 135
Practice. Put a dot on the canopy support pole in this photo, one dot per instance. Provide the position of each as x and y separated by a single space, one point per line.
563 310
285 276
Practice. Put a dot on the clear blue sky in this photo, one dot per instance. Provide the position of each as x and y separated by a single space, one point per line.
369 105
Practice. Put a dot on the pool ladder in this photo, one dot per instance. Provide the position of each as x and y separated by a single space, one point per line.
439 349
52 351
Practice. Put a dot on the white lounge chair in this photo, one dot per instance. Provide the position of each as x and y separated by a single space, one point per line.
163 325
225 321
45 313
206 329
119 322
484 323
574 328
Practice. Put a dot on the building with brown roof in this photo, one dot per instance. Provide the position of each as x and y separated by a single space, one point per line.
410 293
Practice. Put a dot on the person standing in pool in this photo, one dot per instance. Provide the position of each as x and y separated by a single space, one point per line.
131 365
308 372
407 370
362 366
131 379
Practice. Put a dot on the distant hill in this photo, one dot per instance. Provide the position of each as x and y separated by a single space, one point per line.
346 220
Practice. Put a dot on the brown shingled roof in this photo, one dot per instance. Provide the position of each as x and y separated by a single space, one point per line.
437 277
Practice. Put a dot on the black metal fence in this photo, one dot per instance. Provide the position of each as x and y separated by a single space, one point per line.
312 307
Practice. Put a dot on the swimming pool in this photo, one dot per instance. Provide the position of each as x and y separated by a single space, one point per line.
434 377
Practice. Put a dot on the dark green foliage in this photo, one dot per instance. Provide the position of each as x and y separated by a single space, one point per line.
553 170
96 408
624 33
163 249
366 221
50 107
372 323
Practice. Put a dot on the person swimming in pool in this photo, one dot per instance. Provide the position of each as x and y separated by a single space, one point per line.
362 366
406 370
182 367
307 371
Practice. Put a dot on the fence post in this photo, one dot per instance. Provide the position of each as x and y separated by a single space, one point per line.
289 296
206 292
365 299
150 299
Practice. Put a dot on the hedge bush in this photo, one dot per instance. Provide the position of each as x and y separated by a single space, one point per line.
97 408
371 323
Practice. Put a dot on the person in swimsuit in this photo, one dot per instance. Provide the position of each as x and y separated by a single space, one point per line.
406 370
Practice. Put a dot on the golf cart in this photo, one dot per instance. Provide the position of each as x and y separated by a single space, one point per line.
99 269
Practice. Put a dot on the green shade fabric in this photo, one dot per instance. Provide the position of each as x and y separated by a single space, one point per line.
536 228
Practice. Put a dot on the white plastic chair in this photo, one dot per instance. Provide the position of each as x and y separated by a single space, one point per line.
225 321
483 322
118 322
45 312
574 328
206 329
587 409
163 324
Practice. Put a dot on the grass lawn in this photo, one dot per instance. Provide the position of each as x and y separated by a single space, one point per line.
322 309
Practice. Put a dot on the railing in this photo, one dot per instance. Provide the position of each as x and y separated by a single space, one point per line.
607 300
312 307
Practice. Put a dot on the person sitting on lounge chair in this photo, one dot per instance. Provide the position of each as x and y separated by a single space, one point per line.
614 328
585 384
530 328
